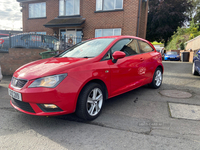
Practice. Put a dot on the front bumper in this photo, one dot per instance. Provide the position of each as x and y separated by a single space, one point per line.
63 97
172 58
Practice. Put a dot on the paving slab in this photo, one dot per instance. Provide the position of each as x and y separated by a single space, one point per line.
184 111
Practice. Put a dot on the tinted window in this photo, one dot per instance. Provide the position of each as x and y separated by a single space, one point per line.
128 46
33 38
49 39
26 37
144 47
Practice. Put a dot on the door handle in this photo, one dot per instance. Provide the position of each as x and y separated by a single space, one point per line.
141 59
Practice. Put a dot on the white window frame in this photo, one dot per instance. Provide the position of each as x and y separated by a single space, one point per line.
62 9
101 30
101 6
41 12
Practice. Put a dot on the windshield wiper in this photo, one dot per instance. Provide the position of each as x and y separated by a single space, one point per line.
87 57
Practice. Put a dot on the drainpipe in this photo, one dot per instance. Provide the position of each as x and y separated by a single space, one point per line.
138 20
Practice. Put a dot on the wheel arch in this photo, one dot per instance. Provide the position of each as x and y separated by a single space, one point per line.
99 81
161 67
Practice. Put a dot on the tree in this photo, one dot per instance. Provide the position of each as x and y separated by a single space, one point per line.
164 18
194 12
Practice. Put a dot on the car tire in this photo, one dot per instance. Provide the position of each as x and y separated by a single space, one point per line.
157 79
90 102
194 72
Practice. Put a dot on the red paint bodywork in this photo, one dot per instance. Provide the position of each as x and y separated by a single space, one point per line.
126 74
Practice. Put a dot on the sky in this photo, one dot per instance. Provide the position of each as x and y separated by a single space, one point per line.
10 15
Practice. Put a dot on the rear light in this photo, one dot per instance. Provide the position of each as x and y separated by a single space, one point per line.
1 41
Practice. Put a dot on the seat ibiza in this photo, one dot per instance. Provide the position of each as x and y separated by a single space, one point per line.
81 78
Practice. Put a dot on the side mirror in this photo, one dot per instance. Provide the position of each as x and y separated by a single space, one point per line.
117 55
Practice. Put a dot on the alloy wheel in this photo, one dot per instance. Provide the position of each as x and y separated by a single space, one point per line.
94 101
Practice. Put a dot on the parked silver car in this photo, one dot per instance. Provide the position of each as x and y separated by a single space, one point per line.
1 76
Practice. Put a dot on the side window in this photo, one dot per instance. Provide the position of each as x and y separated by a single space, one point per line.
48 39
145 47
107 56
128 46
26 38
34 38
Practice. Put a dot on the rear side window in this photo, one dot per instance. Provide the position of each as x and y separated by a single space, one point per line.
145 47
49 39
31 37
128 46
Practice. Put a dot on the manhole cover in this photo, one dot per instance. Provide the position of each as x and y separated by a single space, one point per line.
184 111
176 94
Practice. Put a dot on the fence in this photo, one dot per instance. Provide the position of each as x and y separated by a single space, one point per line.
38 41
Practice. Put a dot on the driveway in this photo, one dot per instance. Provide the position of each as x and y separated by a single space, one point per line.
139 119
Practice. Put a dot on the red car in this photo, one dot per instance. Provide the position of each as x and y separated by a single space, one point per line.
82 77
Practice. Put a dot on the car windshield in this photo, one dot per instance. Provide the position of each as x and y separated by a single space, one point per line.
172 53
87 49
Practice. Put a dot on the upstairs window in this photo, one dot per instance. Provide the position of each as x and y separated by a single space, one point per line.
107 32
104 5
69 7
37 10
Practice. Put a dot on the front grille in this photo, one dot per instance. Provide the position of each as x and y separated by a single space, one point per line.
23 105
19 83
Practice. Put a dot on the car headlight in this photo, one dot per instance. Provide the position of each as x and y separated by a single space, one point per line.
50 81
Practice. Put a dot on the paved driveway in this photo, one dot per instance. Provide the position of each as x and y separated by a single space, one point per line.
139 119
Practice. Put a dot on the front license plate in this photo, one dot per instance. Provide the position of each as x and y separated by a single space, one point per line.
172 57
15 95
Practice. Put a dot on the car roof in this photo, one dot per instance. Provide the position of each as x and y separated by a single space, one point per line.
122 37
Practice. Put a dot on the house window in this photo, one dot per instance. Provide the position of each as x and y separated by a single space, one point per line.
102 5
37 10
107 32
69 7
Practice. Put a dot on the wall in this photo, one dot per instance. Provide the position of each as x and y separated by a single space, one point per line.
17 57
193 44
125 19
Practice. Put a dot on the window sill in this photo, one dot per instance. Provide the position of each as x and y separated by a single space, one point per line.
73 16
102 11
37 18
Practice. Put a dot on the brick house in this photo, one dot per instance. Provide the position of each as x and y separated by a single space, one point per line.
86 18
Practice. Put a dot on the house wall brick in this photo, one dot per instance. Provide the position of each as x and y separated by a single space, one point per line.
126 19
16 58
193 44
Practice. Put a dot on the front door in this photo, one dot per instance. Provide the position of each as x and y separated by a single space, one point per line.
71 36
129 72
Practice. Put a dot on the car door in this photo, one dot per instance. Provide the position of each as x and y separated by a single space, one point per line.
150 59
126 73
